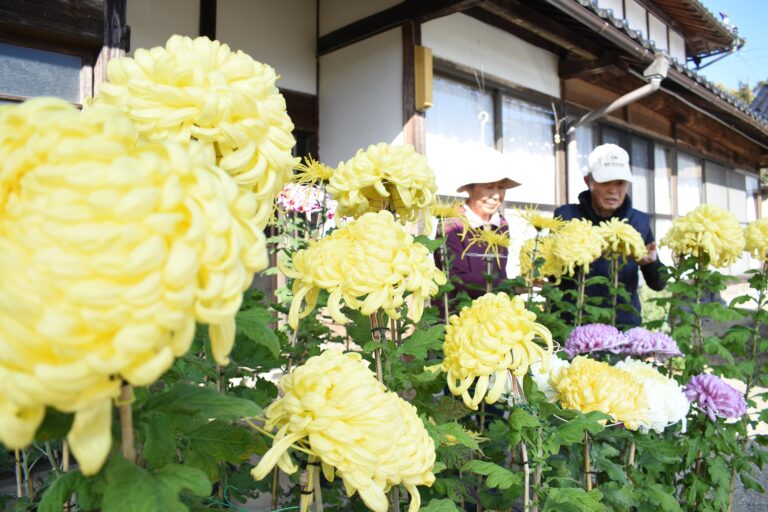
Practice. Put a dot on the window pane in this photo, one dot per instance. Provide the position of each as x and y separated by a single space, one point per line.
752 186
660 231
528 141
662 181
640 174
737 195
584 146
461 118
611 136
688 183
30 72
716 184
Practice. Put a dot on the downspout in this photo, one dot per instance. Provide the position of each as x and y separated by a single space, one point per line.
654 73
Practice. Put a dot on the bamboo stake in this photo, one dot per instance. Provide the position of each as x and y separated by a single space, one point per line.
318 493
275 483
307 491
527 472
587 466
65 456
580 300
19 489
632 454
126 423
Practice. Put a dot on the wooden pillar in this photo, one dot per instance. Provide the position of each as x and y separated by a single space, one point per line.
413 120
115 39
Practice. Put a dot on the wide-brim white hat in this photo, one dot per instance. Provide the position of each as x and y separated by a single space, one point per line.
609 162
486 165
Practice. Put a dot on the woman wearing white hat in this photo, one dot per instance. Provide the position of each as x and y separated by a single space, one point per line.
469 262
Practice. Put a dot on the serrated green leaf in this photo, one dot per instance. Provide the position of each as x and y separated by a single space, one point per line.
573 499
421 342
55 425
175 478
451 434
160 440
751 484
661 497
431 245
444 505
62 488
220 441
254 324
520 419
497 476
207 402
620 497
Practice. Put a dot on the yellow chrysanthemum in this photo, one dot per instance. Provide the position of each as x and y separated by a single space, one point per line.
486 340
110 251
494 241
756 236
312 172
708 230
372 438
543 251
200 89
538 221
384 176
622 239
576 244
588 385
368 264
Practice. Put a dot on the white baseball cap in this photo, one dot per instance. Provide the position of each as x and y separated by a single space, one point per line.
487 165
609 162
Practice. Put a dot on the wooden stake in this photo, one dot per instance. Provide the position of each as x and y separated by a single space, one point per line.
126 422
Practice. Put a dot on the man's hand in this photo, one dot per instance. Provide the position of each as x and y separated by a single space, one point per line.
651 256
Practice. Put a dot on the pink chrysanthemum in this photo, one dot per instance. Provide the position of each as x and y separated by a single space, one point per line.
715 397
590 338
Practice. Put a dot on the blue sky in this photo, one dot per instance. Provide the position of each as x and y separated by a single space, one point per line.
750 64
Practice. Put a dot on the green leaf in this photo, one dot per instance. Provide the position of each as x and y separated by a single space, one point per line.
498 477
129 488
619 496
451 434
421 342
160 440
55 425
220 441
573 499
60 491
189 399
752 484
520 419
430 244
659 496
712 345
254 324
444 505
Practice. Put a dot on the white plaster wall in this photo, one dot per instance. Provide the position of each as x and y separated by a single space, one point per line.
658 31
281 34
617 6
676 46
339 13
361 96
635 15
464 40
153 22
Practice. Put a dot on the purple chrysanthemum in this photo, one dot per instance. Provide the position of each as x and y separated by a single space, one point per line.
715 397
594 338
641 342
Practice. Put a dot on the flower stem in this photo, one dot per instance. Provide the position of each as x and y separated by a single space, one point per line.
126 423
376 333
538 472
532 273
580 300
615 289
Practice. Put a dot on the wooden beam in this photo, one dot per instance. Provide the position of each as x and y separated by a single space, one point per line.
115 39
77 23
574 67
518 13
416 10
516 30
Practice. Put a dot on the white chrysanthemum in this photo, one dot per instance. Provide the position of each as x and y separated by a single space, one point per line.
544 377
667 404
371 437
110 250
200 89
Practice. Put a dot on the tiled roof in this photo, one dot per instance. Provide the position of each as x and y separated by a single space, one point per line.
637 36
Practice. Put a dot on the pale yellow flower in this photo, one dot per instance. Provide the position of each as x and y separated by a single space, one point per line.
667 404
371 438
494 241
622 239
756 236
494 335
111 250
588 385
384 176
575 245
538 221
200 89
543 252
708 230
312 173
368 264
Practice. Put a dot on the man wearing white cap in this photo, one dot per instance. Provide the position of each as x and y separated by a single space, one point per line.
609 176
482 210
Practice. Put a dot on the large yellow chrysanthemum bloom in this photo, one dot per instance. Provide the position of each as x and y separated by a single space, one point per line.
538 221
667 404
708 230
368 264
588 385
622 239
575 245
543 251
486 340
200 89
372 438
756 235
110 250
384 176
